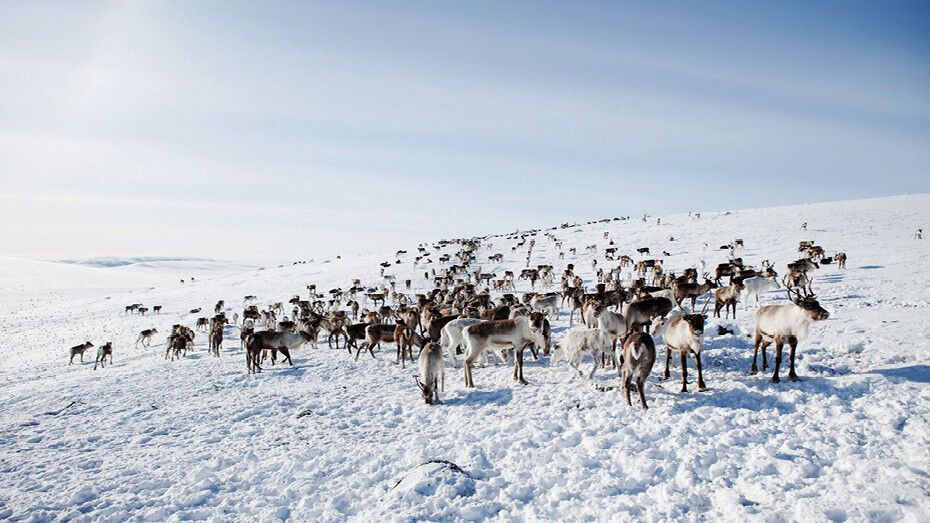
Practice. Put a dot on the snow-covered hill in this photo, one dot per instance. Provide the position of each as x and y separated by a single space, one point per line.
331 439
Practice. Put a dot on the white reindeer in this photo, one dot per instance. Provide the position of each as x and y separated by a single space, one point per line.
757 285
784 322
585 341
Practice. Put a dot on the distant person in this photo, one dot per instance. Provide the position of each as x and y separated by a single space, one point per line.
919 234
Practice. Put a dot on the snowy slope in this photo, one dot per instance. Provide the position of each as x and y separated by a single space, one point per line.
332 439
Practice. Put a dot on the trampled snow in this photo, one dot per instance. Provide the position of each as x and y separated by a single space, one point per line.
331 439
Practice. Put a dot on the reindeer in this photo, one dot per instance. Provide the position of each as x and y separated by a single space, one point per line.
178 342
333 325
727 297
693 291
639 355
756 285
102 353
785 322
146 337
500 334
684 334
641 312
548 303
374 335
274 342
216 339
840 260
79 350
579 342
405 338
451 337
432 376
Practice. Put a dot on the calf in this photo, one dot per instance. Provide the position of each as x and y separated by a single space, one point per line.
579 342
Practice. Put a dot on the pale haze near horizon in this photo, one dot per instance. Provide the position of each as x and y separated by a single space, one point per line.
279 131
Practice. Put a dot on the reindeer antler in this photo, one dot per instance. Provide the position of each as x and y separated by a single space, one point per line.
706 303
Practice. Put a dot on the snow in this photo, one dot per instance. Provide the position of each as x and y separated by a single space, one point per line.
329 439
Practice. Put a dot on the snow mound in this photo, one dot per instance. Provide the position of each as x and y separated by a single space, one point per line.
431 490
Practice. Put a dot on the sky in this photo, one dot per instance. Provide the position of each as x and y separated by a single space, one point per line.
267 130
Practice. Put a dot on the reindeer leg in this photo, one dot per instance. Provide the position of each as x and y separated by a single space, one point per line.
684 370
697 361
779 343
641 388
765 345
519 364
793 346
627 383
668 361
755 352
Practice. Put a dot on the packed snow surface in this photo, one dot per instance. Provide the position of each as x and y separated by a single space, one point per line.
331 439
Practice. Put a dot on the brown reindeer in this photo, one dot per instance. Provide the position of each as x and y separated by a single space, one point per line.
79 350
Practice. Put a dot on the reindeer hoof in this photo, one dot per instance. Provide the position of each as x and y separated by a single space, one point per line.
753 370
775 379
794 378
702 388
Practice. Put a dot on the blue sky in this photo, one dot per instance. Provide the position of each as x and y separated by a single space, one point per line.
267 131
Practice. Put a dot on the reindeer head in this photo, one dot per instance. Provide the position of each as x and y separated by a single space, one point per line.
426 390
659 324
696 321
812 306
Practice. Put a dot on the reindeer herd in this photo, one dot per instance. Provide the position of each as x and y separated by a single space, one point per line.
468 313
